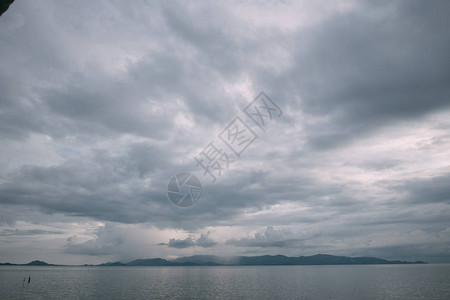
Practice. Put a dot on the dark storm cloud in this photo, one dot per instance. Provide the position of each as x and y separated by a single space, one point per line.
109 188
95 103
362 69
113 107
216 44
430 190
379 65
20 114
78 190
184 243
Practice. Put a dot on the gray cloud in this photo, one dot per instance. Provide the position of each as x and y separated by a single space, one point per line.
184 243
428 190
13 232
364 71
203 241
108 240
269 238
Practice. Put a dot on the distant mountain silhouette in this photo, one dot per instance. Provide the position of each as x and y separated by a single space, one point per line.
117 263
158 262
37 263
264 260
318 259
207 260
32 263
150 262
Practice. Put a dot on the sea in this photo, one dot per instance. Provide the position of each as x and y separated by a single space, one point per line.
425 281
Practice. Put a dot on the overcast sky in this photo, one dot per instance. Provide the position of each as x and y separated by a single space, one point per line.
102 102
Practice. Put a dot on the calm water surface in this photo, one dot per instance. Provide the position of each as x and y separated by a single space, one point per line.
430 281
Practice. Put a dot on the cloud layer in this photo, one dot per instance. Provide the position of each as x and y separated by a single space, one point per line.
102 103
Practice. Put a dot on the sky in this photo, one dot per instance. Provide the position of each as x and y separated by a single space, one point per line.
103 102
